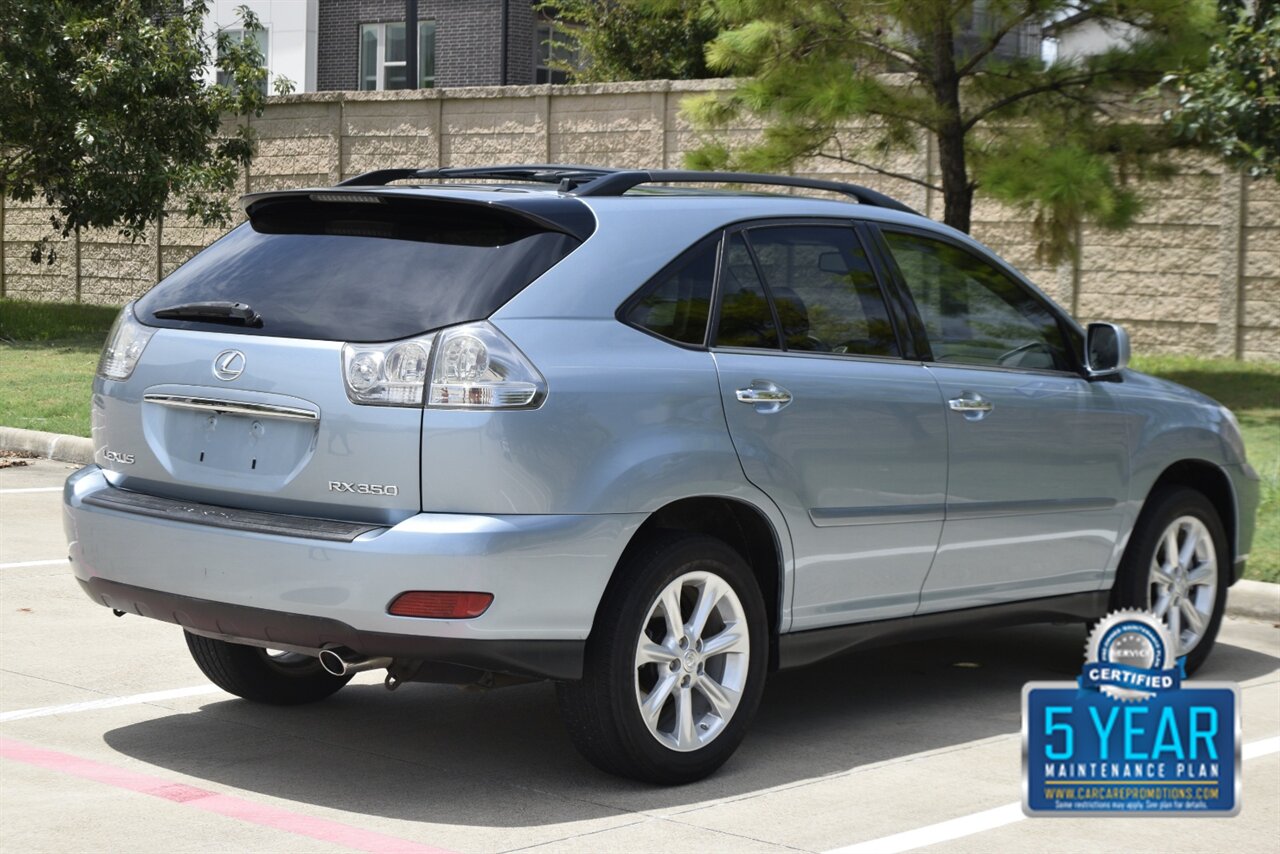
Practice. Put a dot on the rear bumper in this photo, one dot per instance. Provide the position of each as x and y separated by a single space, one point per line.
546 573
552 659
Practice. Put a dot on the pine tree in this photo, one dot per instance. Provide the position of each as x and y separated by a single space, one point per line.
1058 138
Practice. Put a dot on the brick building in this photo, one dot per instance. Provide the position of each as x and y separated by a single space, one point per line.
361 43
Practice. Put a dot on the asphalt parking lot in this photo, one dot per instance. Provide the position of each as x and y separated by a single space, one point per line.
110 740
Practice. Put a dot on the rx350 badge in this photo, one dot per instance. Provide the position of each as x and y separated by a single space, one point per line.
1129 736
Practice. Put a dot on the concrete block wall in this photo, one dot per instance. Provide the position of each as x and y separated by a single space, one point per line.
1199 272
1260 271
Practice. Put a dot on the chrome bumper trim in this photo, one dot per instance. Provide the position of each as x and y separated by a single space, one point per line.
231 407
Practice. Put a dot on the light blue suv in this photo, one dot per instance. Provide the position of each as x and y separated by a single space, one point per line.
650 442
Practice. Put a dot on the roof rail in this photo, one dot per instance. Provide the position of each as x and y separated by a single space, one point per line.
378 177
618 182
567 175
603 181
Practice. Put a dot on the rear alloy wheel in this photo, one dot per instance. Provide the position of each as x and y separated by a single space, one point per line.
264 676
1174 568
690 674
675 667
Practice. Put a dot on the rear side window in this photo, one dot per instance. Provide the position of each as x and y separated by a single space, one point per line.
345 271
826 294
677 302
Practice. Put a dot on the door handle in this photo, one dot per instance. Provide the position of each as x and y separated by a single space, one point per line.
971 405
765 396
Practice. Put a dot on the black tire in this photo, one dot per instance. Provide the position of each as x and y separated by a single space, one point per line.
290 679
1132 587
601 711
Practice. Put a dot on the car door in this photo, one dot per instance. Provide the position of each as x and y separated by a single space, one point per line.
1038 455
829 419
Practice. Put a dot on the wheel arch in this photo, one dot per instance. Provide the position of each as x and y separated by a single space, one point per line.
743 526
1211 481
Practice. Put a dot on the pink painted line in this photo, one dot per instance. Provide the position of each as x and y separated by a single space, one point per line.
213 802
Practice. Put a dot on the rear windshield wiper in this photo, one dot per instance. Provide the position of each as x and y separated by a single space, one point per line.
212 312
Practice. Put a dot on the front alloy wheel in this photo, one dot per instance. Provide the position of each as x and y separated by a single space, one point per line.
1184 581
1172 566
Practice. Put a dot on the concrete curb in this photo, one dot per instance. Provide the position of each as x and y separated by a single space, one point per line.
1256 600
52 446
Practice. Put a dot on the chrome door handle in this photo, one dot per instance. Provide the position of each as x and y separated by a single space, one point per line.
971 405
764 396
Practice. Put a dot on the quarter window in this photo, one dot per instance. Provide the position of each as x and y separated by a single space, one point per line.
974 313
383 56
676 303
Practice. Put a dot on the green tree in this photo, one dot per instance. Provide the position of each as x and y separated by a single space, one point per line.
105 115
1232 105
629 40
1057 138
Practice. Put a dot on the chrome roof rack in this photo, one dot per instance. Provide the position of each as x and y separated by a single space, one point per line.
586 181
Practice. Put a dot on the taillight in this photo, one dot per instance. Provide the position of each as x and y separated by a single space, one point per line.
440 605
387 374
473 366
477 367
125 343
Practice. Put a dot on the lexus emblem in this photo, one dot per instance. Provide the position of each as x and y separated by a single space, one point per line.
228 365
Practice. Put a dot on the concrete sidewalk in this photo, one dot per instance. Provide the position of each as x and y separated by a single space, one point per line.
1256 600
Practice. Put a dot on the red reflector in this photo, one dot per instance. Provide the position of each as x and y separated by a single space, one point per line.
440 605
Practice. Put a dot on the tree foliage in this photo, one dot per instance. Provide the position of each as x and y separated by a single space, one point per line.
1056 138
653 40
104 112
1232 105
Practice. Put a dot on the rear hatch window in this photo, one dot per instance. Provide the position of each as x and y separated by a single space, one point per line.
361 268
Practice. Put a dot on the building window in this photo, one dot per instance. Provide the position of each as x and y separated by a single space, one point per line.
382 55
237 35
558 50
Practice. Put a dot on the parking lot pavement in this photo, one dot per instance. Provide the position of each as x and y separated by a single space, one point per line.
110 739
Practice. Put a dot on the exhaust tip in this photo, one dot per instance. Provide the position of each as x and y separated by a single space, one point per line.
333 663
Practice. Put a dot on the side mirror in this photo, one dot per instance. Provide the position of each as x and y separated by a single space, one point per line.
1106 349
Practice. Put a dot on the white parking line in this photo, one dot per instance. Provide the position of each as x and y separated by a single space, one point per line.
17 491
22 563
932 834
1265 747
967 825
109 703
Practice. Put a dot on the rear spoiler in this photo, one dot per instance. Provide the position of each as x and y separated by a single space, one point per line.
564 214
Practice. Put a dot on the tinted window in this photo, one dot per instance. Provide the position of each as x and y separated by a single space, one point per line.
362 272
973 313
746 320
676 303
827 296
